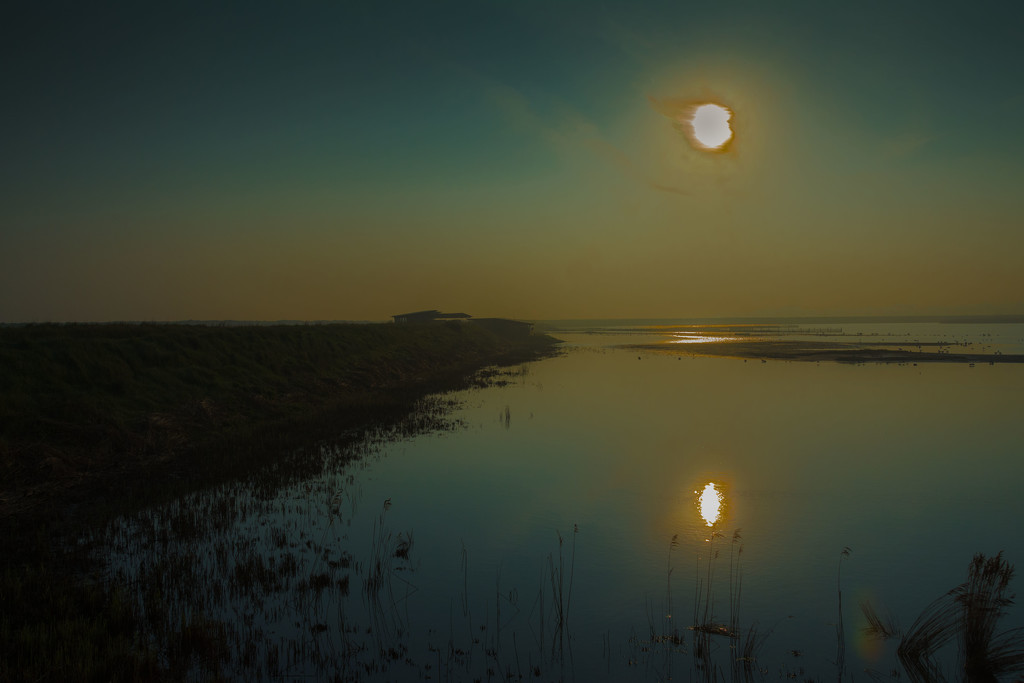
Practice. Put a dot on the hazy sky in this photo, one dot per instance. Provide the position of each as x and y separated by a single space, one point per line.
351 160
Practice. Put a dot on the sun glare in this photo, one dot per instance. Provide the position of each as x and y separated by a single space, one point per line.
710 504
697 338
710 124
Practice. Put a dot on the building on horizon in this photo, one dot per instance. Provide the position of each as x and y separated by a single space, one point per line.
503 326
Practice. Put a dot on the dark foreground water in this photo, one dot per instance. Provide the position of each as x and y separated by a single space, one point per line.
552 528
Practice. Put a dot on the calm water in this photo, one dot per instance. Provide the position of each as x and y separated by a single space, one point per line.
913 469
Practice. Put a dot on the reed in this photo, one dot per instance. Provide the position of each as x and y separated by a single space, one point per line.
562 595
840 629
735 581
669 626
704 603
969 615
157 412
87 401
753 641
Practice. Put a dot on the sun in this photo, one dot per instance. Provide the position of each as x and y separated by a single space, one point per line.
710 123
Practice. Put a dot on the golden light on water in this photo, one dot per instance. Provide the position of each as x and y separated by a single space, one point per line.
697 338
710 504
711 127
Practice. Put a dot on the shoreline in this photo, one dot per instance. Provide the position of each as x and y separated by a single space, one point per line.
101 420
96 418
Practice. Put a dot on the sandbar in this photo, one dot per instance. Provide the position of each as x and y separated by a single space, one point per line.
827 351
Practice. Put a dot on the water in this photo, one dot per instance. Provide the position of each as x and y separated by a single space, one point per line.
913 469
961 337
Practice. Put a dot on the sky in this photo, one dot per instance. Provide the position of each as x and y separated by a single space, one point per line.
344 160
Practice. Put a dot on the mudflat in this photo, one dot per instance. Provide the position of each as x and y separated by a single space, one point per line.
773 349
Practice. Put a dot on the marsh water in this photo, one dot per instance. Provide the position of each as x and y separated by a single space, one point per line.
548 525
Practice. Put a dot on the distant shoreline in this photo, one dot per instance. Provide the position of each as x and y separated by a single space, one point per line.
546 323
986 319
821 351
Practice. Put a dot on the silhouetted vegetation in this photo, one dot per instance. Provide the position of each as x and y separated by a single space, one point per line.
967 616
86 402
97 420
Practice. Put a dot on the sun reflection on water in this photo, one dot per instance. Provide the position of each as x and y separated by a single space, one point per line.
710 504
697 338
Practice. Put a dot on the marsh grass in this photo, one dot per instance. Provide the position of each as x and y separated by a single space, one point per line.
273 565
704 591
89 633
969 616
840 627
98 421
561 593
386 547
79 400
712 649
335 641
746 666
735 580
669 628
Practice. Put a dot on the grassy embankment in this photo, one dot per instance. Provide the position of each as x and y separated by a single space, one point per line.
97 419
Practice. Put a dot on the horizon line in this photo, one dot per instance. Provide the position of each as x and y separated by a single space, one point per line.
940 317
